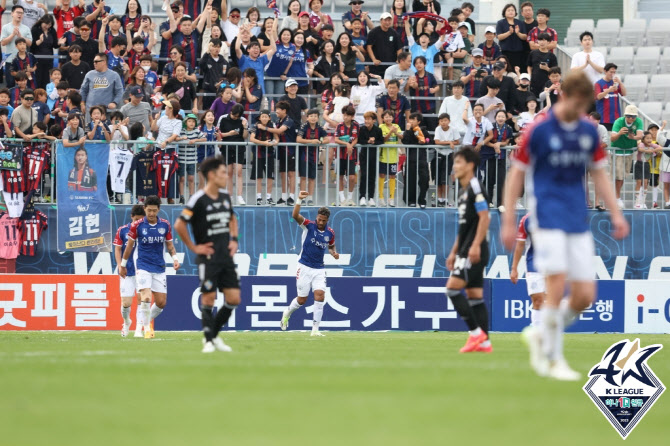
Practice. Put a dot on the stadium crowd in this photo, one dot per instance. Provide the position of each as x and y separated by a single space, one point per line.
278 87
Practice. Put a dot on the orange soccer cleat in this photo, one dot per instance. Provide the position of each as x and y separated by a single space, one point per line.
473 342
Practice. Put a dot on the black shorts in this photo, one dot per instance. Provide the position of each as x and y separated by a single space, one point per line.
234 154
440 168
307 168
472 275
286 162
653 181
217 274
347 167
263 168
388 169
642 170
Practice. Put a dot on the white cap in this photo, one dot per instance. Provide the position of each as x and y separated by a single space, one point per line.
490 29
631 110
289 82
385 15
525 76
464 24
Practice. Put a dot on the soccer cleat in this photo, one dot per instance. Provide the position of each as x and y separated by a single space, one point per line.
538 362
220 345
371 203
487 349
317 333
208 348
139 331
148 332
125 329
362 202
473 342
284 321
561 371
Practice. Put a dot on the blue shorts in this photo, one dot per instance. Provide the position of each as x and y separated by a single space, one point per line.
186 169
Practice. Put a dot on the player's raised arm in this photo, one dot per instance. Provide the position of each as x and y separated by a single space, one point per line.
296 209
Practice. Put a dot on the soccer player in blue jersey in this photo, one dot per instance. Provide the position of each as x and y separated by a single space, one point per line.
556 153
128 285
151 234
317 237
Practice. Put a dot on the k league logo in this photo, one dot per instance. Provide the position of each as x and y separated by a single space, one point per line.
623 386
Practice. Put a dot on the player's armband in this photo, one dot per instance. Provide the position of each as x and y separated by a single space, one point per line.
480 203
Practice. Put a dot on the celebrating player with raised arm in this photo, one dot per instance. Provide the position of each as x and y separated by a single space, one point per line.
470 253
150 234
128 285
557 152
316 238
214 224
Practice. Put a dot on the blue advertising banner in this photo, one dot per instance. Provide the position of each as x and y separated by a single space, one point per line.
11 156
84 214
511 308
351 304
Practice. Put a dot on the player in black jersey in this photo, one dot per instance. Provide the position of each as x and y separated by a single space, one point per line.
214 225
470 253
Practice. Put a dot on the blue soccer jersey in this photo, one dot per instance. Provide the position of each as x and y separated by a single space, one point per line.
314 244
150 241
523 235
556 156
121 240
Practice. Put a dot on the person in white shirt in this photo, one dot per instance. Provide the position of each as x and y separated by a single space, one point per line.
32 11
446 139
455 106
527 117
591 62
230 22
480 129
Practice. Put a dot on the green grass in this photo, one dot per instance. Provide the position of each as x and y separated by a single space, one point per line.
95 388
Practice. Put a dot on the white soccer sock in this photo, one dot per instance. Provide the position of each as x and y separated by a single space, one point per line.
476 332
259 196
284 196
293 306
535 317
552 333
125 313
567 313
292 196
341 193
654 194
350 195
139 316
146 310
318 313
268 196
155 311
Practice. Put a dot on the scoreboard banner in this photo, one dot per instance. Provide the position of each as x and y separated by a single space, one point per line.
84 215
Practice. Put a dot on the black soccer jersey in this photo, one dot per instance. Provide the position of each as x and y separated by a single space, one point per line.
146 179
471 201
210 220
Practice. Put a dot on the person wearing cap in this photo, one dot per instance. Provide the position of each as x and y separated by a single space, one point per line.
507 86
521 94
474 75
297 103
137 110
383 45
590 61
608 91
490 48
511 34
626 132
213 71
230 21
356 13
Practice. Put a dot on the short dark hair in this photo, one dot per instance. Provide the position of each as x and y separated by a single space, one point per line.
4 111
421 58
468 5
113 18
77 21
152 200
210 165
543 11
452 19
493 83
395 82
478 105
74 49
456 12
53 70
215 42
75 98
15 7
349 110
416 115
116 114
135 41
185 19
524 4
26 92
555 70
610 65
63 85
146 57
138 209
544 36
313 111
84 23
100 108
323 211
469 155
102 55
238 110
20 40
595 115
40 125
21 76
444 116
584 34
509 5
118 40
458 83
388 113
284 105
403 55
4 91
252 44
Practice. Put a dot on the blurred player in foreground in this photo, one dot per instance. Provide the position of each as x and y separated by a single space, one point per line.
150 234
214 225
128 284
317 236
557 152
470 253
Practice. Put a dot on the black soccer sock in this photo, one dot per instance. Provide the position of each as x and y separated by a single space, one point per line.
207 322
463 308
481 313
222 317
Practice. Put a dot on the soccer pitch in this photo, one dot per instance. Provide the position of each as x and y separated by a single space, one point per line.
351 388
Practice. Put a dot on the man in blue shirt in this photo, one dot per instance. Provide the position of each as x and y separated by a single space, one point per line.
255 59
150 234
317 236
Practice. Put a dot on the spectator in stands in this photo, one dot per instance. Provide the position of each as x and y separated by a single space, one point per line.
24 61
446 138
423 48
369 137
165 30
213 71
456 107
395 102
364 94
137 110
266 32
399 25
189 36
509 70
524 119
607 91
293 10
45 40
346 136
102 86
111 27
543 15
383 45
94 14
318 18
507 86
25 115
21 81
89 47
539 63
490 47
453 52
326 65
427 5
137 78
230 22
626 132
69 37
356 13
176 56
253 18
474 75
115 60
224 103
511 35
298 103
423 85
468 8
604 136
179 82
493 158
591 62
529 21
75 70
521 94
647 151
33 11
401 71
255 59
479 130
350 54
416 167
65 15
552 89
302 67
655 162
8 36
491 103
132 18
312 39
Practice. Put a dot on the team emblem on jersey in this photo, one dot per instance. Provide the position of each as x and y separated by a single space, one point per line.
209 207
226 204
326 238
144 231
623 386
217 205
555 142
161 231
585 142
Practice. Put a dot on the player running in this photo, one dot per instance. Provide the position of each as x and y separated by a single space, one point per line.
557 152
316 238
151 235
128 285
470 253
214 225
534 280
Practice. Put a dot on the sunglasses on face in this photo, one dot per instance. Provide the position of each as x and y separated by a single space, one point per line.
97 61
29 98
234 16
84 30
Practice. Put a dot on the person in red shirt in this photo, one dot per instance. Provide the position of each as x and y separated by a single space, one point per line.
65 15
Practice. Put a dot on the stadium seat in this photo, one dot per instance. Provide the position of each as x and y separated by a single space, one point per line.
571 50
659 88
607 32
602 50
652 109
666 112
632 32
578 26
646 59
658 32
622 57
636 87
664 62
